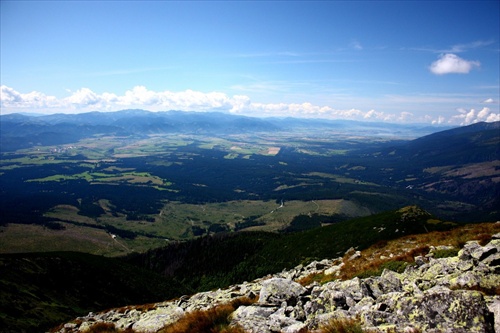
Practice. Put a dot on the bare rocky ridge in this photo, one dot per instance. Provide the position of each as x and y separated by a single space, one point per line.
455 294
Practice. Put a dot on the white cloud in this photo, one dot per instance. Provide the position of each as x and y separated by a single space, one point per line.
472 116
372 114
439 120
85 99
187 100
489 101
451 63
405 116
34 99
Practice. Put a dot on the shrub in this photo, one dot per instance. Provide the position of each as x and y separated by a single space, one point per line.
369 273
396 266
483 238
445 253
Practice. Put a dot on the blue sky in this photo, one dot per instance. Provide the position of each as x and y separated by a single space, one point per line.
396 61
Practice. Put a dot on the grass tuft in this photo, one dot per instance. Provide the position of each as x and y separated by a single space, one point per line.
103 327
213 320
445 253
397 254
342 325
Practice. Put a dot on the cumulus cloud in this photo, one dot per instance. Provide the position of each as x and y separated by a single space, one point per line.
451 63
472 116
34 99
85 99
489 101
440 120
373 114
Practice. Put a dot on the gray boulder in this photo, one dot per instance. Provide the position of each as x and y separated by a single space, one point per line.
432 295
277 291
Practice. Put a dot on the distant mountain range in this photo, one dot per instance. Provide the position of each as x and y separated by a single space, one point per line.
22 130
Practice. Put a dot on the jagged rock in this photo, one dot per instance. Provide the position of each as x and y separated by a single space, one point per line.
494 307
433 295
356 255
315 267
277 291
475 251
446 310
265 319
152 321
253 319
334 270
437 309
389 281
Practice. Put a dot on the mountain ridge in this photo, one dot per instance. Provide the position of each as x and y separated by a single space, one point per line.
182 268
18 131
429 291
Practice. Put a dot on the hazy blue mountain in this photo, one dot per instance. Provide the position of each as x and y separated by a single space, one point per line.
23 130
362 128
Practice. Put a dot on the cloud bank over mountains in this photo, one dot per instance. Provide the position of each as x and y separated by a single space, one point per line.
84 100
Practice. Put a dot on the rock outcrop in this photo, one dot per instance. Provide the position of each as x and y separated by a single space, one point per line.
454 294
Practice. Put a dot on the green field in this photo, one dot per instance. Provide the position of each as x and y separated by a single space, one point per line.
151 189
174 222
129 177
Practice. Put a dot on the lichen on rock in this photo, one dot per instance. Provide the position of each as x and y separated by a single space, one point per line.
454 294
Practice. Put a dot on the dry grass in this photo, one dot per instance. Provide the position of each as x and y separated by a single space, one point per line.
404 250
141 308
343 325
102 327
347 325
213 320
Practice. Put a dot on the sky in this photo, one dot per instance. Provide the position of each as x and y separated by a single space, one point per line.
433 62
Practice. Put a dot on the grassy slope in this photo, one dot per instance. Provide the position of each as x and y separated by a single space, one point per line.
213 262
42 290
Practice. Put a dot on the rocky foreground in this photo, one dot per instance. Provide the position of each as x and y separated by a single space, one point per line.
454 294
